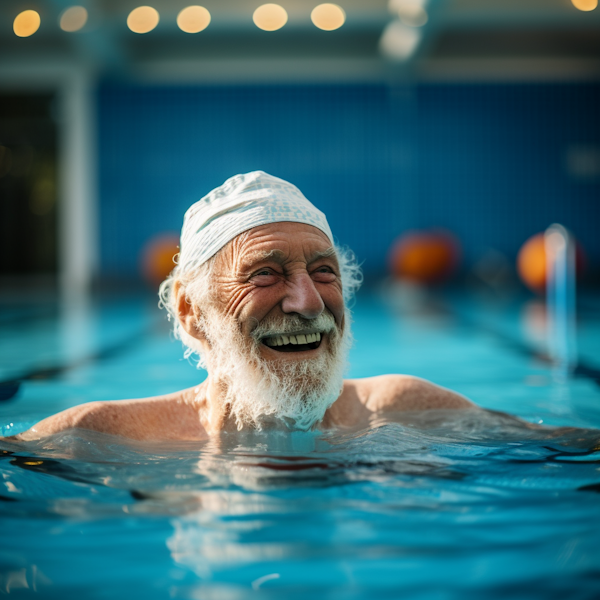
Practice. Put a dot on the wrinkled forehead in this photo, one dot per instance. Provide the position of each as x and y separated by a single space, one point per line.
279 242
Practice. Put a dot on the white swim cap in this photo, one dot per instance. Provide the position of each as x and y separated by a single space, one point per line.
241 203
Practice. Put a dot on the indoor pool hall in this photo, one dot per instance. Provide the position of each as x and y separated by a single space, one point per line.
300 300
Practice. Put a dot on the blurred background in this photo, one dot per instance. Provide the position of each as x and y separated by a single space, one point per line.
454 145
438 136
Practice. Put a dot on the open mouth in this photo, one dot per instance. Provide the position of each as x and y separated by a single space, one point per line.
299 342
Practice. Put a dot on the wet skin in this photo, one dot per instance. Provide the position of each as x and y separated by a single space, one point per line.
269 271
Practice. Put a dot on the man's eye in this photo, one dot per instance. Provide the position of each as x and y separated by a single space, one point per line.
264 277
324 274
324 269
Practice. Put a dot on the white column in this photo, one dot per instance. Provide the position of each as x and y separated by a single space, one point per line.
78 218
77 160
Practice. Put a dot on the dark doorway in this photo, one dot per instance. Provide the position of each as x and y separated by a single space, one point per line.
28 184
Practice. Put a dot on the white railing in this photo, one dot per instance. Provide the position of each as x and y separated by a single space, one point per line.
560 300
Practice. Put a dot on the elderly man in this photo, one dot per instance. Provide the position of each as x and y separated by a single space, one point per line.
260 294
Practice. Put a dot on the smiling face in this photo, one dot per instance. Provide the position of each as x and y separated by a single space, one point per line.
277 271
274 331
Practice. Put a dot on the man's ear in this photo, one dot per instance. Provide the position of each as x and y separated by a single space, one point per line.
187 313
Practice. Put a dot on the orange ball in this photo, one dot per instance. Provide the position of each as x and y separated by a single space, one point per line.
531 262
424 257
158 257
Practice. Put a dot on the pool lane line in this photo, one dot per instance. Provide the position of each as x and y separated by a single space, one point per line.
27 316
592 487
9 388
581 369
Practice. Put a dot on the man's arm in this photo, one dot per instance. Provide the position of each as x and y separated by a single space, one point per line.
86 416
405 392
362 397
396 393
161 418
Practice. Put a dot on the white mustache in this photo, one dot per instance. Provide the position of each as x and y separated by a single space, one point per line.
324 323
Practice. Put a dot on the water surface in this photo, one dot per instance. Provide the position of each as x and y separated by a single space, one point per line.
439 505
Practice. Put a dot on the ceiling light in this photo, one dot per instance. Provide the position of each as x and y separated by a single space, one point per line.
143 19
410 12
585 5
415 16
328 16
26 23
73 18
193 19
270 17
398 6
398 42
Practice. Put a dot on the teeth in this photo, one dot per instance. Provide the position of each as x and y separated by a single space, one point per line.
300 338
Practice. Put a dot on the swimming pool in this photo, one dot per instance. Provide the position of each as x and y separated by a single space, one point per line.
443 506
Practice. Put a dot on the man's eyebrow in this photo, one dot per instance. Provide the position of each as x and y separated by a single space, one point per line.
252 258
276 254
324 254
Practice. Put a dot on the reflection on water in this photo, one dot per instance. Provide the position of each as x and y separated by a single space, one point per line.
355 512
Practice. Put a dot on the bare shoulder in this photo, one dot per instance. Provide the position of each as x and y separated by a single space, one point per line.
161 417
362 397
404 392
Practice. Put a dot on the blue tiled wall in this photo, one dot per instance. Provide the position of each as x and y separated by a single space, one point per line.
493 162
486 161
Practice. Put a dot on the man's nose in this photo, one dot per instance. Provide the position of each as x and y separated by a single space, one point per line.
302 297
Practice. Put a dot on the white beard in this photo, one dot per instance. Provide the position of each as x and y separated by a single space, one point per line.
259 391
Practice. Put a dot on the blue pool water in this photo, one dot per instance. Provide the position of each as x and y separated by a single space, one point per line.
425 506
